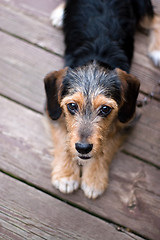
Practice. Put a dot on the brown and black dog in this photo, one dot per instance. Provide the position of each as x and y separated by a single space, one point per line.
92 100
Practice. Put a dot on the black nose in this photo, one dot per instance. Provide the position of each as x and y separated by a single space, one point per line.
83 148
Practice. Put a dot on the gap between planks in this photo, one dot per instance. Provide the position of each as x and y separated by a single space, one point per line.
31 43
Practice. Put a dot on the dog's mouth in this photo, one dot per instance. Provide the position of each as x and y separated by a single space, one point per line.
84 157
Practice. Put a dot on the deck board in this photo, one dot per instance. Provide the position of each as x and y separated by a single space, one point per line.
40 9
30 208
23 69
31 29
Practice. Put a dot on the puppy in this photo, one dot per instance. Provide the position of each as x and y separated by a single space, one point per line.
92 100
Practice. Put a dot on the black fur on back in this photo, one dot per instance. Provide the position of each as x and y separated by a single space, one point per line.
102 30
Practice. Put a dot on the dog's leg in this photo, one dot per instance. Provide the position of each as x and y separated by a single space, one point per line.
95 177
57 16
95 173
65 171
153 25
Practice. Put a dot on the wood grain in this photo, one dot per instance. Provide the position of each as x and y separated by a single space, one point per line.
40 9
26 213
133 195
144 141
30 28
23 69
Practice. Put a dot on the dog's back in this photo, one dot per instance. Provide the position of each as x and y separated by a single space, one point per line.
101 30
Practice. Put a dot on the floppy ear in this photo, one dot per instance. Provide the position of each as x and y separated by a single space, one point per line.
53 82
130 89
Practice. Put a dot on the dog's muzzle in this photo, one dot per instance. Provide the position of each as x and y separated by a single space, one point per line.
84 149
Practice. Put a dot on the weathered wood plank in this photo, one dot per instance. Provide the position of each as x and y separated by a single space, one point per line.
151 79
31 29
26 213
143 67
144 142
40 9
22 71
25 24
133 195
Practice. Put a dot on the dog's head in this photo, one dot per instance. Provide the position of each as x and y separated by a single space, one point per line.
92 99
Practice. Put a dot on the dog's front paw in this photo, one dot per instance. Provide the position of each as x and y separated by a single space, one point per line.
91 191
65 185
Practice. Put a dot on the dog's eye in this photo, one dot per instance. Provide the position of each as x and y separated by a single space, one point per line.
72 108
104 111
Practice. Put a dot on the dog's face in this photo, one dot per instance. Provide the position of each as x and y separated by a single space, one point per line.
92 99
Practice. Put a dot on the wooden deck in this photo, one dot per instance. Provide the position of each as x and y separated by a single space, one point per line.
30 208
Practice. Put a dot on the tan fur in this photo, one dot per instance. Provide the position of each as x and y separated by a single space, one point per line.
155 35
73 122
63 166
146 22
76 98
102 100
95 173
154 26
107 140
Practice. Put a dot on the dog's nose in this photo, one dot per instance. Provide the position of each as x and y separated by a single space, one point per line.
83 148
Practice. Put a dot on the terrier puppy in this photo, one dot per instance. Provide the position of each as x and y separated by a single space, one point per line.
93 99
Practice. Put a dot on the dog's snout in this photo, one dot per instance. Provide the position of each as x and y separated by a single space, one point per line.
83 148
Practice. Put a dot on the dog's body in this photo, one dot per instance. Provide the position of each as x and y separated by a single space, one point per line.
93 99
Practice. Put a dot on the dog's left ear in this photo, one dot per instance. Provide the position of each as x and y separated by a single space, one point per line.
53 82
130 89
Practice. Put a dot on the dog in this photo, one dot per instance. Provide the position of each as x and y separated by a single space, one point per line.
92 101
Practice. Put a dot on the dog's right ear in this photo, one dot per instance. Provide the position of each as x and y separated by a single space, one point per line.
53 82
130 89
